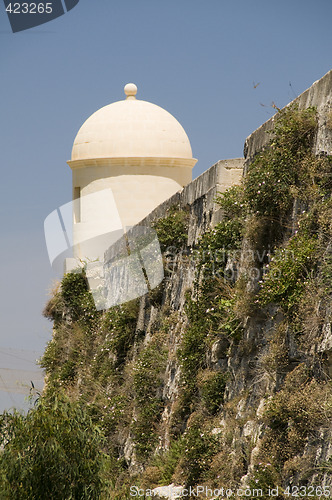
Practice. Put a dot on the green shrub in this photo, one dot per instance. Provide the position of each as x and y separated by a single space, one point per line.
210 316
52 357
217 244
73 301
199 448
68 370
188 458
78 299
147 383
52 452
288 271
172 230
264 477
111 410
119 324
66 353
191 352
232 202
168 461
212 388
269 180
55 307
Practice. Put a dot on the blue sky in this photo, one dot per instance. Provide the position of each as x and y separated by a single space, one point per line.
217 66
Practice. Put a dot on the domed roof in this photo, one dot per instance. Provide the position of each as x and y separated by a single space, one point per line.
131 128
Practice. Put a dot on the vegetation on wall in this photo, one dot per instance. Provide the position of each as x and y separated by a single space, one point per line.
259 300
148 383
272 214
289 271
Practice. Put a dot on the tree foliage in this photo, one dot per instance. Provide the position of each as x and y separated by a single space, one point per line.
55 451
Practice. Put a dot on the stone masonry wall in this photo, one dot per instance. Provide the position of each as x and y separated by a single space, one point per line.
318 95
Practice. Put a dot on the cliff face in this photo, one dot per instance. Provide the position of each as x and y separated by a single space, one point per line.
220 376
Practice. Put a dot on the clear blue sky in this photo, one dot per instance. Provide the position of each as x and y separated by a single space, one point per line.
200 60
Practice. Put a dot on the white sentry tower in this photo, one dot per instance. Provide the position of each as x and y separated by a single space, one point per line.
127 158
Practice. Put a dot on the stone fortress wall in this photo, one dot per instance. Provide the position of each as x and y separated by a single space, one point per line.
247 388
200 194
318 95
245 385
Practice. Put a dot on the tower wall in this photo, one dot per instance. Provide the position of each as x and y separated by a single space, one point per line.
137 186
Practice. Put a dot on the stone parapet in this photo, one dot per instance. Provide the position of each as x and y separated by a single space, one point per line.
318 95
200 194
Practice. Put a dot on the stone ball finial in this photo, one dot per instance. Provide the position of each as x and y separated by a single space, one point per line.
130 90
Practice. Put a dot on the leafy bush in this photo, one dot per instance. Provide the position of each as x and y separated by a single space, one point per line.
148 383
216 245
167 461
264 477
191 352
288 271
73 300
212 388
55 308
52 452
210 316
188 458
78 299
199 447
119 324
232 202
268 183
172 230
